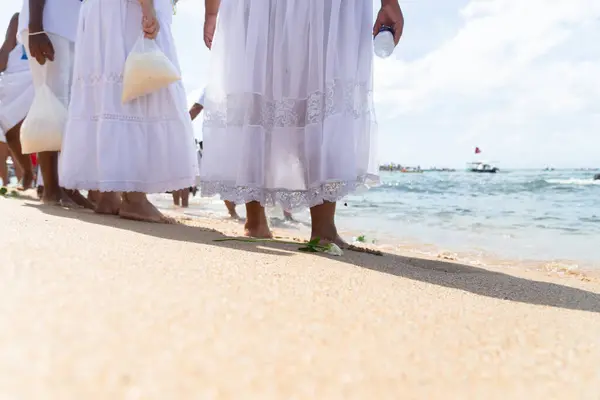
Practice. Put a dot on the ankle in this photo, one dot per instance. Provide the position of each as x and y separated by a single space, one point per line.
134 198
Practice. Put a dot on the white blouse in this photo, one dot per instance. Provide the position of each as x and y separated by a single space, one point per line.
61 17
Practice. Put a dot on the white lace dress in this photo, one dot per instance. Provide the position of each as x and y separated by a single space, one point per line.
289 116
146 145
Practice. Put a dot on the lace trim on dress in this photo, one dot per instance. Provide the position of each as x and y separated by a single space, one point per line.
288 199
127 118
252 109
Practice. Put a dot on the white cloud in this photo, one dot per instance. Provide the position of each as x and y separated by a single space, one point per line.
520 78
517 75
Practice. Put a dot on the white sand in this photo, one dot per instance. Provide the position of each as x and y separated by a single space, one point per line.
94 307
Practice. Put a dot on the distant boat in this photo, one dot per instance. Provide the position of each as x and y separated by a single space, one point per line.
411 170
400 168
482 167
435 169
548 169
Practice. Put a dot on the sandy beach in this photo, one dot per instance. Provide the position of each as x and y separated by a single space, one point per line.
94 307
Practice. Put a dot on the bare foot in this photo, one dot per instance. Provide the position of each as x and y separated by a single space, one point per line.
93 196
58 197
27 181
79 199
107 203
231 209
141 210
328 235
337 240
260 231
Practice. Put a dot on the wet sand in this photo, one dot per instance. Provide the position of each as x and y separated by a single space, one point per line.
94 307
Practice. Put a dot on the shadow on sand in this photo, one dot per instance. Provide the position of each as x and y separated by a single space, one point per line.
447 274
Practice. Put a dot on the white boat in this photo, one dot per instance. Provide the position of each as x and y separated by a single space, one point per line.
482 167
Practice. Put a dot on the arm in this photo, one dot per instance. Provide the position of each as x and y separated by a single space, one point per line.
10 42
210 20
195 110
212 7
36 15
147 3
40 46
149 22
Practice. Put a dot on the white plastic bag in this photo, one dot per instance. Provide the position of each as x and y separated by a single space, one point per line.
45 123
147 70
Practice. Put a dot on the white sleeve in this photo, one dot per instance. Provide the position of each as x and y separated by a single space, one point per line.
201 99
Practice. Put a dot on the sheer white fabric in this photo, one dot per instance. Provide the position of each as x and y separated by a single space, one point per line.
146 145
16 90
289 112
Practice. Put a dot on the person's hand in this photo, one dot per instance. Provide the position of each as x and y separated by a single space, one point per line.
150 24
390 15
210 23
40 47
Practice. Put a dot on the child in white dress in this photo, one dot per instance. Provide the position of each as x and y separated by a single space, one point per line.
142 146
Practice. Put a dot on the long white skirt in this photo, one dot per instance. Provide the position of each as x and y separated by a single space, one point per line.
289 114
146 145
16 96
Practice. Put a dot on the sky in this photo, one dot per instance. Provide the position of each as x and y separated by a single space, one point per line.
518 78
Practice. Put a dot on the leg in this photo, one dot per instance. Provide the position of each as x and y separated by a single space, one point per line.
185 197
94 196
176 196
40 183
53 194
231 209
22 160
135 206
79 199
19 172
323 224
256 221
107 203
287 215
3 166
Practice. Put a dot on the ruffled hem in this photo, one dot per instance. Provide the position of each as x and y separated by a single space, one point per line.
130 186
288 199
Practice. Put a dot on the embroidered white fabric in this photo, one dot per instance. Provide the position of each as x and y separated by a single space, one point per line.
354 100
289 111
146 145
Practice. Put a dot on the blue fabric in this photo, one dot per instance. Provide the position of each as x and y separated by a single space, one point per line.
24 55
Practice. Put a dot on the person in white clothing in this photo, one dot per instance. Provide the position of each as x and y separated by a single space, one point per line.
48 29
143 146
194 112
16 96
289 105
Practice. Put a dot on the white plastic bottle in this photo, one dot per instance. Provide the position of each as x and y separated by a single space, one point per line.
383 42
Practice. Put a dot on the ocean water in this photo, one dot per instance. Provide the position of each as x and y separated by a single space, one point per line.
514 215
